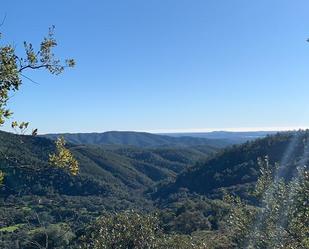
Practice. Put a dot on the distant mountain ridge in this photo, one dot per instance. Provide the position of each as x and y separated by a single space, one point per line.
139 139
231 136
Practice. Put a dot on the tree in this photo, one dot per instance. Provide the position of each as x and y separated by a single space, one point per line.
282 220
51 236
12 69
64 158
13 66
133 230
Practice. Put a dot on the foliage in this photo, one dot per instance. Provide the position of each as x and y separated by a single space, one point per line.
124 230
1 177
298 226
236 169
11 229
131 230
53 236
282 221
13 66
239 218
266 176
64 158
179 241
186 214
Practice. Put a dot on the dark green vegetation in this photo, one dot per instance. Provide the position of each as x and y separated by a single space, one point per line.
236 169
282 217
140 139
133 230
104 169
111 178
177 192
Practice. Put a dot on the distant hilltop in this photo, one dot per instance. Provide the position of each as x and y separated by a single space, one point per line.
232 136
218 139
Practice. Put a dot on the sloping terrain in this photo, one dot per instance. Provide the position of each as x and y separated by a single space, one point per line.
236 168
112 178
104 170
184 183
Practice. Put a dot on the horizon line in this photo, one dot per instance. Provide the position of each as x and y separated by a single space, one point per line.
195 130
238 129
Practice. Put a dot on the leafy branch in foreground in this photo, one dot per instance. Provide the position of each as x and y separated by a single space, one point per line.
12 70
13 66
64 158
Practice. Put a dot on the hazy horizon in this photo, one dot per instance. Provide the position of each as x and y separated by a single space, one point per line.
177 131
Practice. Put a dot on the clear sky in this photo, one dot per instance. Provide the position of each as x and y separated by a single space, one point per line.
166 65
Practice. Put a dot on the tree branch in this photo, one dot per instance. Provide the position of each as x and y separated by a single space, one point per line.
34 67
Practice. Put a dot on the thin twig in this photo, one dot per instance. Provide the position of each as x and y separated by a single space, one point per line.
3 20
29 79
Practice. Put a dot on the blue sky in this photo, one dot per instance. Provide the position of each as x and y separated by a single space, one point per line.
166 65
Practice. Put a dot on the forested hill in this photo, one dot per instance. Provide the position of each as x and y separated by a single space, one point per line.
115 177
118 170
139 139
236 168
235 137
104 170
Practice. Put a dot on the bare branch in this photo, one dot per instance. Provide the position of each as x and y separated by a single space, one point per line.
29 79
3 20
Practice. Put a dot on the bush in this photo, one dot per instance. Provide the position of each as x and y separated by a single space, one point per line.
131 230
